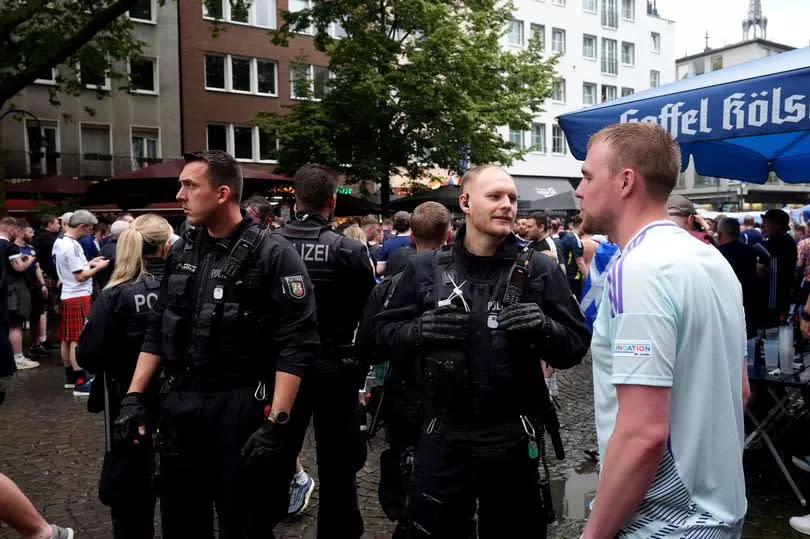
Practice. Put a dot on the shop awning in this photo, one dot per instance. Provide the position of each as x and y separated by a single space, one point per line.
539 187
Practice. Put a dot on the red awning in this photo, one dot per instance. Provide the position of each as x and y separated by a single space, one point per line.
52 185
25 205
171 170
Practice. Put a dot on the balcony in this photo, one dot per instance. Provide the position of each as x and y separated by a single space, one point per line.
93 166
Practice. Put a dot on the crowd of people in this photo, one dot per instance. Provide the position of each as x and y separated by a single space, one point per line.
212 351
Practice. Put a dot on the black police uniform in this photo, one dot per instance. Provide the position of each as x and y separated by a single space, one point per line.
342 278
474 445
224 328
109 347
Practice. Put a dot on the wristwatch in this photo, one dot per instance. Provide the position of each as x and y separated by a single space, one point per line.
805 315
278 417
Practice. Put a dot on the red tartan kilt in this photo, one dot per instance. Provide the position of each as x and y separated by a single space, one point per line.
73 316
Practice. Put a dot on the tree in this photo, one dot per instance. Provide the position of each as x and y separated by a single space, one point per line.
414 84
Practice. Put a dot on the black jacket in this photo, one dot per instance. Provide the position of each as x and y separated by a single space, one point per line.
42 242
108 251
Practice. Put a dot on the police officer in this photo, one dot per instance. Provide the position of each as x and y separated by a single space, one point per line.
343 279
234 326
109 346
477 351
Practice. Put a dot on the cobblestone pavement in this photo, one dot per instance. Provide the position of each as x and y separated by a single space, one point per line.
52 448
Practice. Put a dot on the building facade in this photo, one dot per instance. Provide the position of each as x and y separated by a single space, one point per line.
106 130
608 49
723 194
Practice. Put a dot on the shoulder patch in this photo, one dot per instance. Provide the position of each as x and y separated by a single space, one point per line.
633 349
293 286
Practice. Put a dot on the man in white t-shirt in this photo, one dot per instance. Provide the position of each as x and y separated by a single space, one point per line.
668 354
76 275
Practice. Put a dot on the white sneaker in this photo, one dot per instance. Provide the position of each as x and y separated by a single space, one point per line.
801 524
25 363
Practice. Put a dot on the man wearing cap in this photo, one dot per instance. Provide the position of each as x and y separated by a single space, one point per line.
682 211
777 263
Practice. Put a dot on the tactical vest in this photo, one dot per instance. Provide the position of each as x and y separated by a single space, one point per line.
319 248
216 326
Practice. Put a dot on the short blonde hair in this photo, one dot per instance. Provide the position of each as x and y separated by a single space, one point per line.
475 172
356 233
430 222
646 147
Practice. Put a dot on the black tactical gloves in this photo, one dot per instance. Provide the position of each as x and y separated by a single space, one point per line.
133 416
444 325
263 450
524 318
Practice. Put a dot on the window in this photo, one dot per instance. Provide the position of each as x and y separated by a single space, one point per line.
217 136
214 71
655 41
627 91
539 30
628 53
242 142
717 63
558 2
143 10
268 146
539 137
47 76
258 13
588 93
589 46
557 41
610 16
609 63
558 91
515 33
628 10
301 5
96 153
42 144
240 74
558 144
143 72
699 66
145 147
94 77
608 93
516 137
308 81
655 78
704 181
589 6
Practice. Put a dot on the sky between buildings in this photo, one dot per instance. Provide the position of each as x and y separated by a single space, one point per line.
787 22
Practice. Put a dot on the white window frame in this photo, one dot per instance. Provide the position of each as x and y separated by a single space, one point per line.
258 149
155 76
57 138
106 87
595 93
631 92
275 76
48 82
228 140
632 10
560 85
522 143
310 78
553 41
542 32
544 147
595 52
158 144
606 19
606 57
632 55
657 78
595 6
253 143
81 144
226 67
153 20
615 94
557 130
558 3
515 23
254 75
655 44
226 15
309 31
251 78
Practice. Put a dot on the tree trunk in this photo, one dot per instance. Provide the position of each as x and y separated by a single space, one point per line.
3 208
385 192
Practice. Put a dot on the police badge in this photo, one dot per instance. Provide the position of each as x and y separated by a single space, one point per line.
294 286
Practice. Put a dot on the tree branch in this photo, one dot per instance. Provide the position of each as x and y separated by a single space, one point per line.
13 19
11 85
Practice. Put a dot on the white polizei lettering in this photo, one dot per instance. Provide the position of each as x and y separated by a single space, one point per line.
776 107
795 112
625 117
314 252
148 300
688 119
758 110
704 116
733 105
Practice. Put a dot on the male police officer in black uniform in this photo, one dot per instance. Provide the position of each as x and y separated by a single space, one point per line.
477 354
342 277
234 325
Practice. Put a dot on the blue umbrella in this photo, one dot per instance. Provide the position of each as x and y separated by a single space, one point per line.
741 122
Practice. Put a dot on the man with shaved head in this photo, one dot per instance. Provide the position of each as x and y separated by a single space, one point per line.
475 344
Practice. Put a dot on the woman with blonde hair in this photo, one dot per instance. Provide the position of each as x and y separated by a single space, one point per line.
109 346
356 233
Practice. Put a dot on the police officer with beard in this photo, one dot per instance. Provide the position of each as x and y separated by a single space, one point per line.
475 345
234 327
343 279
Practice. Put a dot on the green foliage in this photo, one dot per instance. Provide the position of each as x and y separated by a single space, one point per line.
36 35
416 83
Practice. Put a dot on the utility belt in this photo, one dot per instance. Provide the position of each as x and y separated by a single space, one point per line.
206 382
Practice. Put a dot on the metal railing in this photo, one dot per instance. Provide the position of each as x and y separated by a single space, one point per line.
39 164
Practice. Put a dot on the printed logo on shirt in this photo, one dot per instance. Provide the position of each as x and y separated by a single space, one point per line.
632 349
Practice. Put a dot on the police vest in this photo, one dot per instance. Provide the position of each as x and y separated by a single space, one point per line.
215 325
319 247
